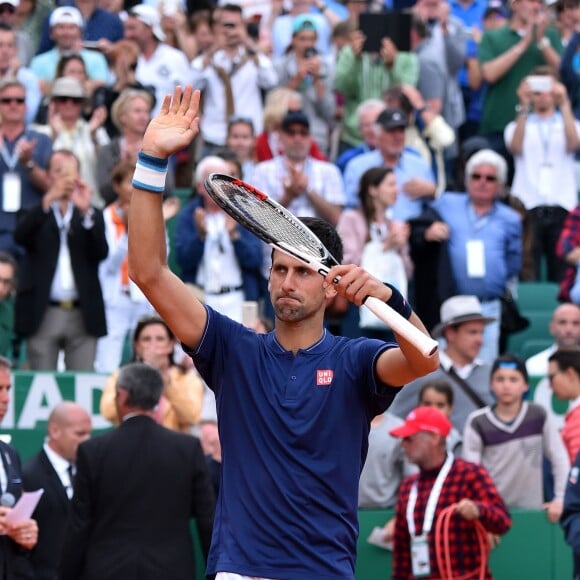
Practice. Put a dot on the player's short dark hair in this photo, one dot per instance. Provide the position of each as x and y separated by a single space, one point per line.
327 234
566 358
143 383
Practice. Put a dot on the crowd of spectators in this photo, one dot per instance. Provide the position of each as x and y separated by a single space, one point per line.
449 161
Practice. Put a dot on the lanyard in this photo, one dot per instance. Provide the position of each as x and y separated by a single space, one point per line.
545 132
431 502
11 159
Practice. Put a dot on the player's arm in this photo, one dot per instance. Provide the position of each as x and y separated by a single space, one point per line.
171 130
395 366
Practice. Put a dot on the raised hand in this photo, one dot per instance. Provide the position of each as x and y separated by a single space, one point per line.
175 126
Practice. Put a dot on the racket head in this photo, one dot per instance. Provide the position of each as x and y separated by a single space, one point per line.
266 218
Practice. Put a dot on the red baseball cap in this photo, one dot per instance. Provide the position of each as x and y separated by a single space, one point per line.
423 419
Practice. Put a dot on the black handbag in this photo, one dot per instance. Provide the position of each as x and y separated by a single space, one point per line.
511 318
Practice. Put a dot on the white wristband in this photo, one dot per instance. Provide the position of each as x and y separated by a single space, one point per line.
150 173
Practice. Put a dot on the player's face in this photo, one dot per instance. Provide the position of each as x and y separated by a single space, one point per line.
565 325
295 290
5 385
508 385
433 398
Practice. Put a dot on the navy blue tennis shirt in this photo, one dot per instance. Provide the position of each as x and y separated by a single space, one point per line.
294 435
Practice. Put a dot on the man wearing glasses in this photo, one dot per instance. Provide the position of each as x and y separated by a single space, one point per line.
483 237
24 158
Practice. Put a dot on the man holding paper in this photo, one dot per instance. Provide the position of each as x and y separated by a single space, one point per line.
21 535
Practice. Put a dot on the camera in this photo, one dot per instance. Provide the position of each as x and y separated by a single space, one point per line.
310 52
540 83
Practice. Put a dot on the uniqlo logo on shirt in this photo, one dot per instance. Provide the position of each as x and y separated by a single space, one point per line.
324 378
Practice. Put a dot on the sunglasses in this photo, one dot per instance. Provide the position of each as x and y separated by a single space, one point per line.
488 178
11 100
229 24
74 100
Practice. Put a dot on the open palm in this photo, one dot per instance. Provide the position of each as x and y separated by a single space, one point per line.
175 126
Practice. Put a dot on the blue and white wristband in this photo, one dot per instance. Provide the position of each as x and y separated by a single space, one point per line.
150 173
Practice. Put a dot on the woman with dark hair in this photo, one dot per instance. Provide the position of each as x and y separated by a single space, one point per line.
180 405
373 240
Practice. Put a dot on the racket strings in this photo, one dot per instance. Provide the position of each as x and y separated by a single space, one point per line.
268 221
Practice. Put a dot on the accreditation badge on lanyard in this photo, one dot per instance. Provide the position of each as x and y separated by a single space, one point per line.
420 561
11 182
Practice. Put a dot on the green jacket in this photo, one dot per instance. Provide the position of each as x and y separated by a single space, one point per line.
359 79
6 327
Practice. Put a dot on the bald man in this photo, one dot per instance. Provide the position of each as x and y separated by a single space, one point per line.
565 328
53 469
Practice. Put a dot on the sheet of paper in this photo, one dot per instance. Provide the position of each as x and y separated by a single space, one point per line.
24 507
377 539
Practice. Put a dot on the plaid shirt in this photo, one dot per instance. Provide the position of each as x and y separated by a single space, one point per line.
464 480
569 239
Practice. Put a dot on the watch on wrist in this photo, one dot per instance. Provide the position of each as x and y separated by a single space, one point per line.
544 43
521 110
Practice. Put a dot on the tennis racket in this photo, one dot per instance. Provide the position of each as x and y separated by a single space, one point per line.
275 225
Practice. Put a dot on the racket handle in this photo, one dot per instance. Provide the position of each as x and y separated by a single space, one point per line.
402 326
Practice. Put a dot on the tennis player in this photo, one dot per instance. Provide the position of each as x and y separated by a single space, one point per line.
294 406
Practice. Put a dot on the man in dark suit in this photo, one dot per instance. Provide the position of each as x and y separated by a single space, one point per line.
17 540
53 470
136 488
59 303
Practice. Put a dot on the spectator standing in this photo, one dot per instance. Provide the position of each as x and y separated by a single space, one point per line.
279 101
53 469
16 541
23 162
11 68
215 253
462 326
8 271
564 375
510 437
118 524
507 55
362 75
367 113
484 239
568 249
303 69
59 303
241 140
306 186
158 64
451 481
414 176
70 131
543 140
385 467
231 76
125 304
180 404
100 27
66 26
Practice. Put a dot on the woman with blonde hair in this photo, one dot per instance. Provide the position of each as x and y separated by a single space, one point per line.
278 102
130 113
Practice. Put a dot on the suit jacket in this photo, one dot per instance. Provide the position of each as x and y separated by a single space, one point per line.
136 488
14 560
38 232
51 514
